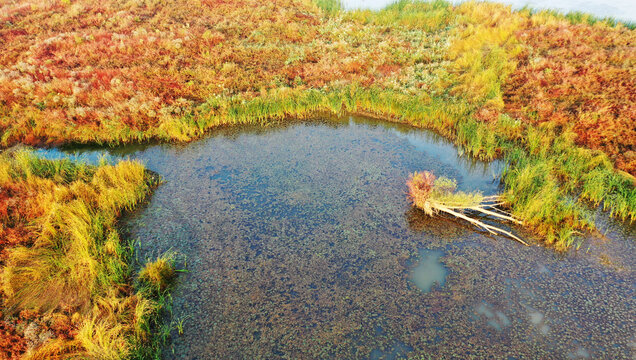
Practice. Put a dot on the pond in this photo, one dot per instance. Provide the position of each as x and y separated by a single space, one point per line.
300 242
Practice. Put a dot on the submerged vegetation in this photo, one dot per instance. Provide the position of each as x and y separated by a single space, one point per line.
66 274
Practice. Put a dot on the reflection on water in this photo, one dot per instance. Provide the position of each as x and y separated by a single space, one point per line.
396 351
429 271
493 317
300 243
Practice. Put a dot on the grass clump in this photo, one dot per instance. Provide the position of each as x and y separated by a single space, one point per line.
62 257
158 274
429 16
428 192
553 187
330 7
483 52
434 195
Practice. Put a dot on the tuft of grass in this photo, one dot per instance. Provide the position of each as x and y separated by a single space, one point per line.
429 16
427 191
160 273
439 195
483 51
330 7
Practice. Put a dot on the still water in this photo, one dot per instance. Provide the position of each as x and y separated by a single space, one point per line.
300 244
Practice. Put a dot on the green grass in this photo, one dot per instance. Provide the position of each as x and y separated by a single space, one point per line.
422 15
330 7
158 274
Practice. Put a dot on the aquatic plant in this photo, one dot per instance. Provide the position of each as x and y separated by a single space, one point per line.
434 195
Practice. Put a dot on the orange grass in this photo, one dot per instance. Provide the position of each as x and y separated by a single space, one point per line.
65 271
583 77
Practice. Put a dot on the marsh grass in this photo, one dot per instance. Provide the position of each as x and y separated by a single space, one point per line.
330 7
429 16
573 17
553 190
75 263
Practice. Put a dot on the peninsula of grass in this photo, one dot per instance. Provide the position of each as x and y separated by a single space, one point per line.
552 95
67 286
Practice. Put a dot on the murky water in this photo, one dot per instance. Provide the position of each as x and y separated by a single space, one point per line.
301 244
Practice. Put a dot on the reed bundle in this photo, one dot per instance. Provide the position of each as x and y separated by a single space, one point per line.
434 195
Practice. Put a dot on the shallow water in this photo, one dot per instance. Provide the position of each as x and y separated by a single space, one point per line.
429 271
300 243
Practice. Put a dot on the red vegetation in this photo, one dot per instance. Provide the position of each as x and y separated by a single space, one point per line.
71 70
12 345
582 76
13 231
15 214
420 186
16 211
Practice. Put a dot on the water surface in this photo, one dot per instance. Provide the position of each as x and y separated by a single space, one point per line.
300 243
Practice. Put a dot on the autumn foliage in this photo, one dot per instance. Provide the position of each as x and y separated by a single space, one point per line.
579 76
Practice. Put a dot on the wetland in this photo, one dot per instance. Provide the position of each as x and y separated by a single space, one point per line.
299 242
